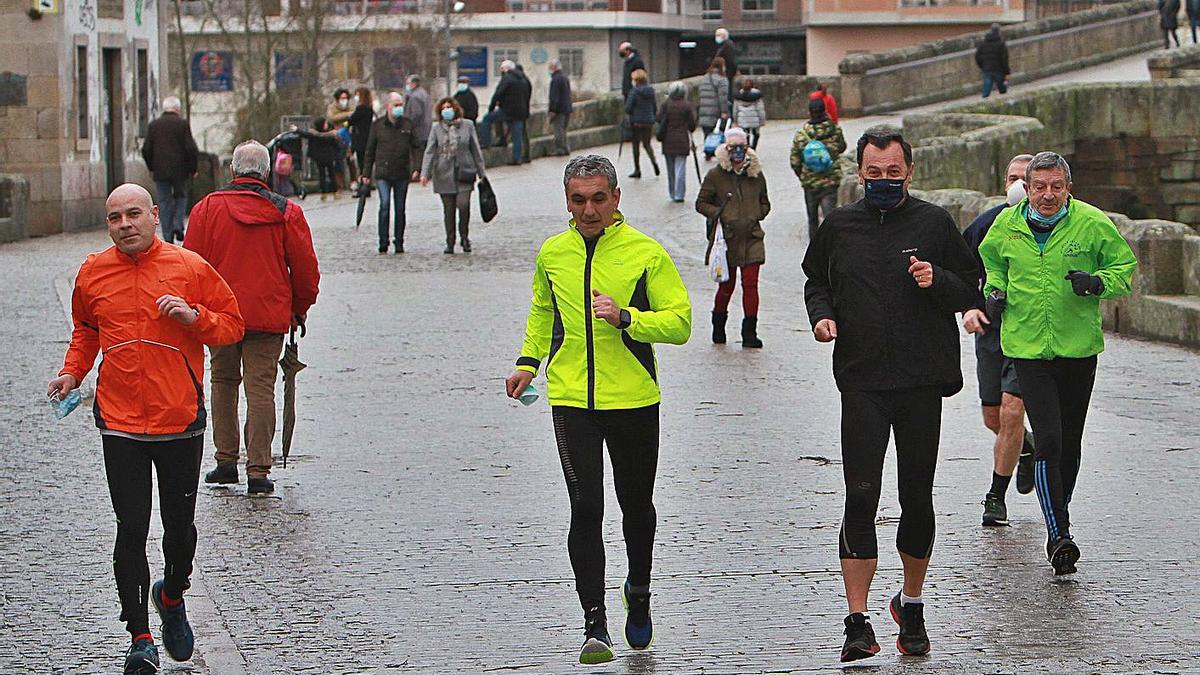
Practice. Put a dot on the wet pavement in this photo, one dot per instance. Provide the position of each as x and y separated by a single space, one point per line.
421 523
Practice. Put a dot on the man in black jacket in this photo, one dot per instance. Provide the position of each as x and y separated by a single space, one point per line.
727 50
992 58
466 99
510 104
393 158
885 276
633 61
172 156
560 106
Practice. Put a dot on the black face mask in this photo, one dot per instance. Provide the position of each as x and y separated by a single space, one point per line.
884 194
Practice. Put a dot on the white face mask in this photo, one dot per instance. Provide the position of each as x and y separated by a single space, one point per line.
1016 193
343 103
720 40
356 101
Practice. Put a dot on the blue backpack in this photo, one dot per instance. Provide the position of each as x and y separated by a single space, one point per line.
817 157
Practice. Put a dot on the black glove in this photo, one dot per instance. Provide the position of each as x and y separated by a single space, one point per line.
1084 284
994 304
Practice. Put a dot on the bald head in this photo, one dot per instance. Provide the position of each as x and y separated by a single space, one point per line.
132 218
127 193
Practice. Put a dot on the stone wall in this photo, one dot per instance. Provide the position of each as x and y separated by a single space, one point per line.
1172 63
14 207
945 69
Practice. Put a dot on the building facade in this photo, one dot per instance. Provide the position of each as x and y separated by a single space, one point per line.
769 35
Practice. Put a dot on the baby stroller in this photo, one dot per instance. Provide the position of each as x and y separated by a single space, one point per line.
286 152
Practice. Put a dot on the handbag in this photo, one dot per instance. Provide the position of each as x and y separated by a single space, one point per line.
487 201
660 131
716 138
466 175
718 265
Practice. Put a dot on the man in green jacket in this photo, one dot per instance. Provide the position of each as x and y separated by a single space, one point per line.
1050 260
603 293
820 183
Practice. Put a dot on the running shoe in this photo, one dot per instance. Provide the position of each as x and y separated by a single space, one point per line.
142 658
1063 554
639 630
176 631
597 645
913 640
1025 466
995 512
224 474
860 638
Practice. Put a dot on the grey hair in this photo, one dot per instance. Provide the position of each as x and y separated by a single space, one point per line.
251 157
507 64
555 64
586 166
172 104
677 89
1047 160
724 32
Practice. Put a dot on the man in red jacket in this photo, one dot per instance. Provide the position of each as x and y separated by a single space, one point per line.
260 243
822 93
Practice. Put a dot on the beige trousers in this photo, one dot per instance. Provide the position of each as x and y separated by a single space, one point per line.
254 361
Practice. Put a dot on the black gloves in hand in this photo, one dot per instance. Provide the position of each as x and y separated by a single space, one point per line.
994 304
1084 284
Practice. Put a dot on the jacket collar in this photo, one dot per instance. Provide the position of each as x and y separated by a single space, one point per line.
249 180
156 247
618 221
753 166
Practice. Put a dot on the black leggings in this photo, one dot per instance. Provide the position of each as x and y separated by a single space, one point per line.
127 465
915 417
632 439
459 203
642 134
1056 395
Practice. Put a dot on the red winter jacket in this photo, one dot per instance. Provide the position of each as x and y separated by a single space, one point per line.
260 243
830 103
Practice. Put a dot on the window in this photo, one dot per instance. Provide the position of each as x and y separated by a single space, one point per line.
81 90
143 91
500 55
759 6
393 65
572 62
711 10
346 66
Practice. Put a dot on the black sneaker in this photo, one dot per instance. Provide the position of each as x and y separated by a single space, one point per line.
1062 553
913 641
639 629
1025 466
860 638
259 486
142 658
176 631
995 513
224 474
597 645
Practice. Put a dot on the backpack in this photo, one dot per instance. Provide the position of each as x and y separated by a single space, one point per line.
283 164
816 157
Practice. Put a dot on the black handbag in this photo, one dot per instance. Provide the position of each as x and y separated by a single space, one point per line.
660 131
487 201
466 175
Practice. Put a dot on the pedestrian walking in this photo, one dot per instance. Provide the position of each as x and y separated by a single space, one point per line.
509 105
886 275
338 114
822 92
1050 260
150 308
360 126
992 58
676 122
172 157
733 197
324 149
1193 15
749 111
418 107
999 390
260 244
602 382
1168 13
454 163
714 99
642 109
815 150
340 109
727 52
466 99
393 158
560 107
527 92
631 60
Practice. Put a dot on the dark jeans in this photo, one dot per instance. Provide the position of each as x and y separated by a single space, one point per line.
1056 394
560 122
172 196
914 416
459 203
391 192
516 132
325 173
632 439
996 80
127 464
818 202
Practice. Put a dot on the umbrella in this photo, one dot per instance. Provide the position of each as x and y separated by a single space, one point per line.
695 159
363 191
291 365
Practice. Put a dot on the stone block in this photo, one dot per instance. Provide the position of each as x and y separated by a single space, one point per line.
1177 102
1158 245
1129 106
1181 193
21 125
48 123
1189 215
43 92
14 207
14 89
1178 171
1191 265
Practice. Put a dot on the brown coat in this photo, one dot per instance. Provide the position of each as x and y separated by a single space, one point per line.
746 193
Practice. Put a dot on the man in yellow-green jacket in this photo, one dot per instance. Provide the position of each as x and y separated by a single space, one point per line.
603 292
1050 260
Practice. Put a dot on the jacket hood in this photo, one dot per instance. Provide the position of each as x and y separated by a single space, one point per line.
753 169
748 96
992 36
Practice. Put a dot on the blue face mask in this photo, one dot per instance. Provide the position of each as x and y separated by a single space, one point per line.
447 114
408 88
397 112
462 86
65 406
1047 221
884 193
737 153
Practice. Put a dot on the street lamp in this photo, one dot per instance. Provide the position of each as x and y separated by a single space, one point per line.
451 7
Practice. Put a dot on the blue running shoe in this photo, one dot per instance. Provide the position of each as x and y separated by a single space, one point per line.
176 631
142 658
639 629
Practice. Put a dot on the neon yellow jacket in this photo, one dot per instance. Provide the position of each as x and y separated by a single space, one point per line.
589 363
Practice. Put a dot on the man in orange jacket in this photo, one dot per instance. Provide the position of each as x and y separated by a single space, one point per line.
150 307
260 243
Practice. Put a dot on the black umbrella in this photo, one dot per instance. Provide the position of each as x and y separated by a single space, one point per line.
695 159
291 365
363 191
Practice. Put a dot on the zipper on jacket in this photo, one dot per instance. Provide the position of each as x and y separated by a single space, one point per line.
590 246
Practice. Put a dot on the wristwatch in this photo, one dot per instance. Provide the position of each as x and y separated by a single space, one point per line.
625 319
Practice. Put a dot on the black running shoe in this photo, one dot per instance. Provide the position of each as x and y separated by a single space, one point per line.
1025 466
995 513
639 630
142 658
224 474
860 638
176 631
913 640
597 645
1063 554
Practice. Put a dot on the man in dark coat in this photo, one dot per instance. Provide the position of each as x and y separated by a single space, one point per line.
393 159
1193 14
510 104
466 99
727 50
633 61
172 156
527 91
1168 18
992 58
560 106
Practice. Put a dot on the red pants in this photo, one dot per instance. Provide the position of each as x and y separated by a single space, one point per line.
749 290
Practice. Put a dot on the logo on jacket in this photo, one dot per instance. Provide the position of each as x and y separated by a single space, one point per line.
1073 249
909 250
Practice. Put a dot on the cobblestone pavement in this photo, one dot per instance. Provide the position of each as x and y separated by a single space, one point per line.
421 523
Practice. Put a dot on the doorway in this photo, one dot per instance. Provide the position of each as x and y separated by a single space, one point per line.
112 102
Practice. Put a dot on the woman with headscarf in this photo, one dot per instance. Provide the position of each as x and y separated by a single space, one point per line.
453 161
